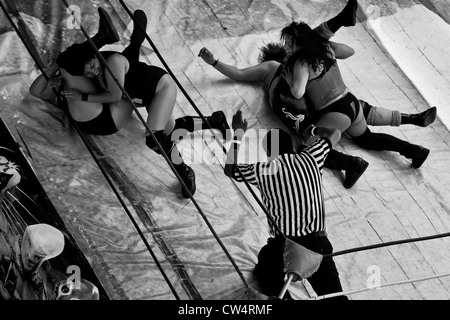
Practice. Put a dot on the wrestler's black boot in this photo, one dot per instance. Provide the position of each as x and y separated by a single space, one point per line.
354 167
131 52
186 173
422 119
381 141
416 153
138 34
346 18
107 33
217 120
188 176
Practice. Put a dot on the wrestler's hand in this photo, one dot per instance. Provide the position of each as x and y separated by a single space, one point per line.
55 82
207 56
239 124
72 94
308 132
49 58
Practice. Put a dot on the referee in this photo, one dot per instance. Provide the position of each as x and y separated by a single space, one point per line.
291 189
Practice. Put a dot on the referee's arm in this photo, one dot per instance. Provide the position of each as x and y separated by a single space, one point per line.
239 125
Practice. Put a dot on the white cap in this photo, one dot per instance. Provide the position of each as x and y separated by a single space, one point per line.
42 240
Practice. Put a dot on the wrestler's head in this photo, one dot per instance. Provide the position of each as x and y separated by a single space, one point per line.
92 68
294 35
77 60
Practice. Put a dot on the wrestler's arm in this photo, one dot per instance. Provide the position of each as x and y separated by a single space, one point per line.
297 79
342 51
118 65
253 73
43 89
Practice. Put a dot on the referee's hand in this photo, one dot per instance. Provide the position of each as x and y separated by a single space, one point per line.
238 122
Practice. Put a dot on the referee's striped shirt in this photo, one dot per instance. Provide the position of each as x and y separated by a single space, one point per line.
291 188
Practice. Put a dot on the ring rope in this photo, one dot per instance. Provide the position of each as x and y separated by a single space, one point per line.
347 293
386 244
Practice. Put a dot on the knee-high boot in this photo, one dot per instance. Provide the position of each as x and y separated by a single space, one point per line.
346 18
107 33
354 167
132 51
217 120
186 173
381 141
422 119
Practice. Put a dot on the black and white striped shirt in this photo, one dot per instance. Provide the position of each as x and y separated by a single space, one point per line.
291 188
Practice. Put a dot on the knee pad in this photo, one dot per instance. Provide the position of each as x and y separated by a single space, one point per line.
165 142
372 113
396 120
379 116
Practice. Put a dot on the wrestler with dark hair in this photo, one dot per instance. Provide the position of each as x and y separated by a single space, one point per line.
95 100
295 112
311 69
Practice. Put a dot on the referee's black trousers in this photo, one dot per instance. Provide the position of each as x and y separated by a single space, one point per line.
269 269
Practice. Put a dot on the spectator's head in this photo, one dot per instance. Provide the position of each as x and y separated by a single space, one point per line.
40 242
295 35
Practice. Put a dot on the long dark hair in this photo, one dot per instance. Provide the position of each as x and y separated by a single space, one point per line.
314 50
272 51
74 58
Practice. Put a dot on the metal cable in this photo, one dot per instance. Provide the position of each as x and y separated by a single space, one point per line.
386 244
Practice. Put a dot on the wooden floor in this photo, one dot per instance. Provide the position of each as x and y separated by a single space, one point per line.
392 200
